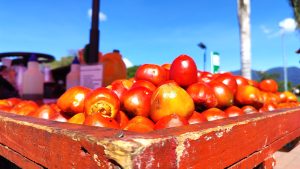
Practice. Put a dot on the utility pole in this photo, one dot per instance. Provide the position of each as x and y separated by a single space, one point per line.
94 34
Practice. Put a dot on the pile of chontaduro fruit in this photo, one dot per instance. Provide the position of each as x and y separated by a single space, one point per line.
160 97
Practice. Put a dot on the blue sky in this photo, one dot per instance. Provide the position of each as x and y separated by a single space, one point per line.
149 31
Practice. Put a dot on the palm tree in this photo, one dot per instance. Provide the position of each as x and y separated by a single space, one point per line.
245 39
296 8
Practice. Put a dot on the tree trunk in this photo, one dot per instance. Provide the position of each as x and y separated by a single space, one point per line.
245 39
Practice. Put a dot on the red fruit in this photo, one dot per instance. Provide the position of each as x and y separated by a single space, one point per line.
151 72
253 83
240 81
233 111
169 121
25 107
122 119
197 118
103 101
137 101
268 107
77 118
290 97
249 109
249 95
120 86
228 80
223 93
72 101
98 120
183 71
44 112
140 124
144 83
205 77
170 99
268 85
167 67
203 96
214 114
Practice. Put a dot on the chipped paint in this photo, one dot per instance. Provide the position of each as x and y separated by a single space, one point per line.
126 151
25 123
207 138
219 134
96 159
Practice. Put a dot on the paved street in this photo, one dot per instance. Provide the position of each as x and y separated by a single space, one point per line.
288 160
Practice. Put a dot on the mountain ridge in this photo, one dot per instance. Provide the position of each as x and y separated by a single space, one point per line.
293 74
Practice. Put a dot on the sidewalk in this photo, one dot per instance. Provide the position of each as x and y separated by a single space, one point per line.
288 160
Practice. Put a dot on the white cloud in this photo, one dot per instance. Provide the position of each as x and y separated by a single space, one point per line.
288 25
127 62
102 16
265 29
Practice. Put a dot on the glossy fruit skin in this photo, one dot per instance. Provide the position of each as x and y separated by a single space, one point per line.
205 77
152 73
253 83
268 85
144 83
167 67
203 96
72 101
233 111
282 97
269 97
24 107
183 71
214 114
290 97
78 118
172 120
13 101
98 120
120 86
137 101
44 112
170 99
249 109
140 124
228 80
241 81
249 95
196 118
122 119
103 101
267 107
223 93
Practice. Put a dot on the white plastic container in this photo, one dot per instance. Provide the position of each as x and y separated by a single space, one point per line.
73 77
33 80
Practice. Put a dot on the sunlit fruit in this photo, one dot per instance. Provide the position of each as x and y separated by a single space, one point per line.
170 99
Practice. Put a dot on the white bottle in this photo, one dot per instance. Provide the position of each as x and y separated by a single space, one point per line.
73 77
33 80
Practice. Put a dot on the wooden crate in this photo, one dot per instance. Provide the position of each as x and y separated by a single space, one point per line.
241 142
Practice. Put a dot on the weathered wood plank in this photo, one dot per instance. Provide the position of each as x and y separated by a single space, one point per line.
217 144
265 153
17 158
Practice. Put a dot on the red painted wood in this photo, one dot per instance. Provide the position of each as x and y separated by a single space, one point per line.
17 158
266 152
239 142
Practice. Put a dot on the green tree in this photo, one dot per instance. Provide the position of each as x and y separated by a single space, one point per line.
131 71
65 61
296 9
281 86
264 75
